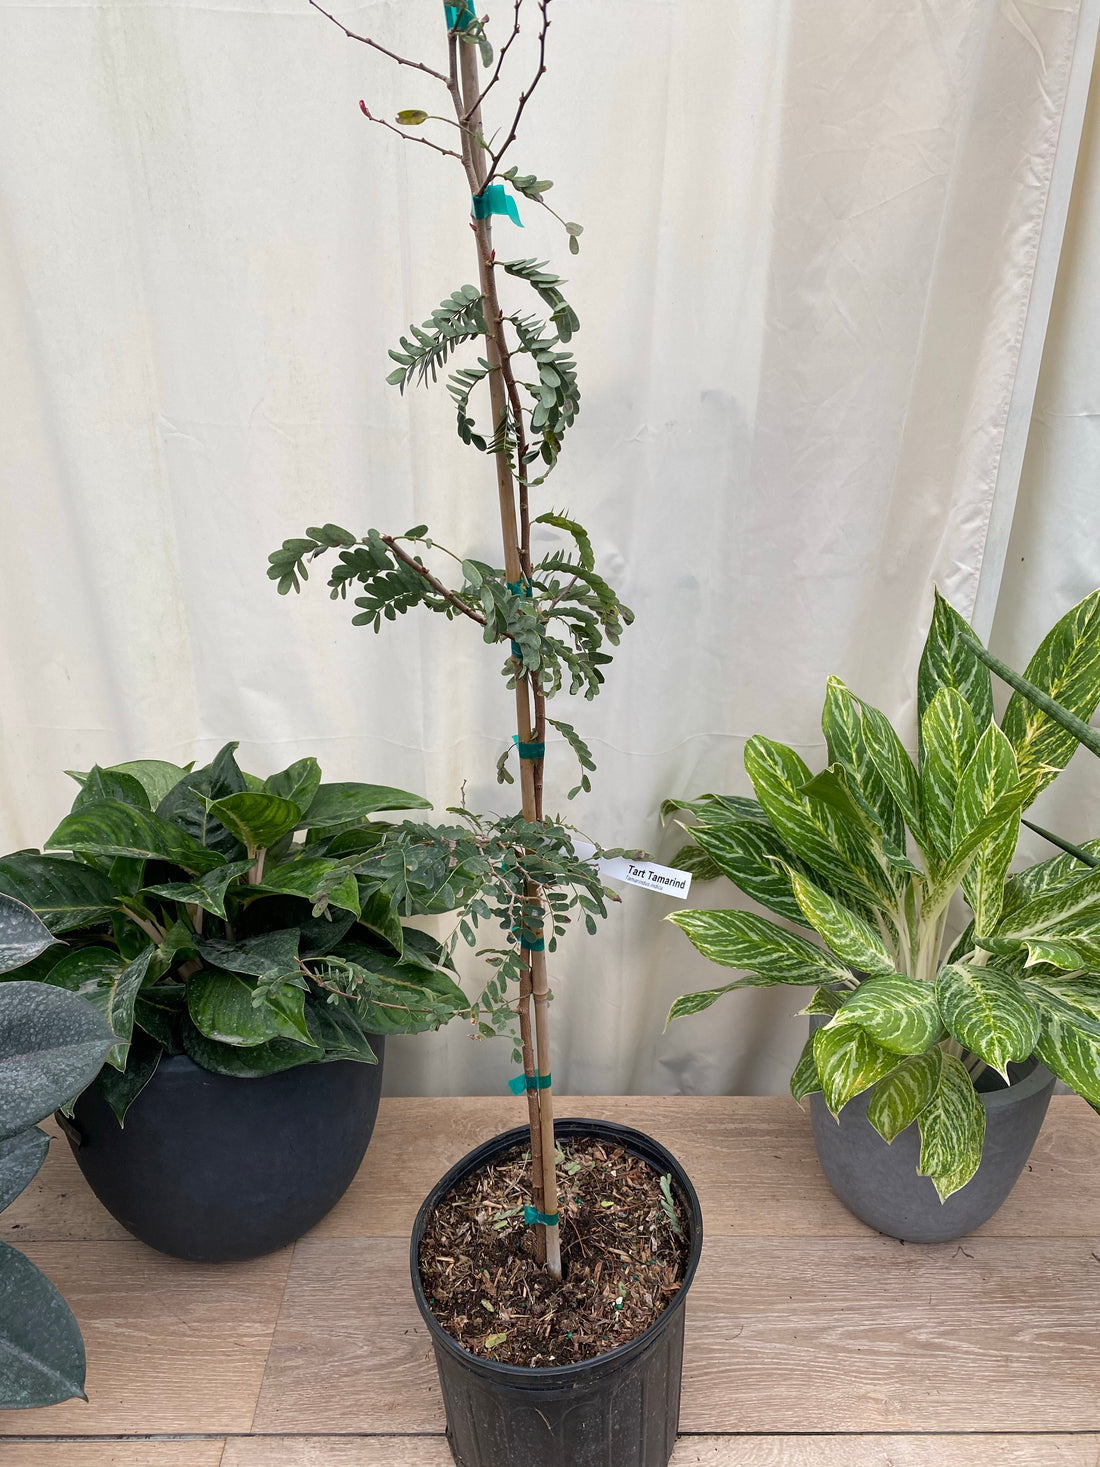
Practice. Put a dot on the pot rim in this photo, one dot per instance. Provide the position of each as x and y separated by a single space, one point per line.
551 1376
1037 1079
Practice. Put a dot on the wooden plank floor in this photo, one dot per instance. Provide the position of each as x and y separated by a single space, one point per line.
812 1341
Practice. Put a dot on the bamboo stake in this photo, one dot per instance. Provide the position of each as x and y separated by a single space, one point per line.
540 1101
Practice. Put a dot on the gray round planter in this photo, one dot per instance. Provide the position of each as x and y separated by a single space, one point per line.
879 1183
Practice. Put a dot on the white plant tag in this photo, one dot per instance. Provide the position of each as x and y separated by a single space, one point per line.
647 874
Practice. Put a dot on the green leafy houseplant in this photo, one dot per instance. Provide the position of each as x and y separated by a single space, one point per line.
51 1045
232 919
552 616
867 856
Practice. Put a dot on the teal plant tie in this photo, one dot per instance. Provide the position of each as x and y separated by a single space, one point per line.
532 1215
495 199
531 944
517 653
529 751
519 1083
459 16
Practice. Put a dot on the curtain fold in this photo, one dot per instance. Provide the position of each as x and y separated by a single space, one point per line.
814 242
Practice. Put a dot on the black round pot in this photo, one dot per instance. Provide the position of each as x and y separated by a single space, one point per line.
879 1182
618 1410
214 1168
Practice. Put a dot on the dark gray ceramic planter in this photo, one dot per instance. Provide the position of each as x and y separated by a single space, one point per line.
213 1168
879 1183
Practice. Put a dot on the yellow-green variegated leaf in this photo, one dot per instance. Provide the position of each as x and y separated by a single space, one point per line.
948 738
848 1062
949 661
824 1001
952 1130
852 939
695 1003
951 873
898 1100
1050 875
744 940
990 774
895 766
1068 1044
988 1012
751 854
833 846
842 727
1070 913
1058 953
1082 994
804 1079
1066 666
899 1013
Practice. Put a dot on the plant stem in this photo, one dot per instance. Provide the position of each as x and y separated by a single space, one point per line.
540 1101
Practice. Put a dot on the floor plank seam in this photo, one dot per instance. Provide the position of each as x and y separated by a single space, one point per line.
1025 1433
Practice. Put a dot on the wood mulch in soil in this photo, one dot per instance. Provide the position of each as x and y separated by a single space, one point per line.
622 1258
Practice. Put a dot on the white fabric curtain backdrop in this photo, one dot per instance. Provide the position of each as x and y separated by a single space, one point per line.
819 253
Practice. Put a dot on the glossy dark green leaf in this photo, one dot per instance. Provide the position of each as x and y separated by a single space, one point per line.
298 783
41 1351
158 1011
51 1046
121 1088
250 1063
110 984
339 1030
228 1008
111 784
23 935
64 894
322 882
109 828
207 891
379 914
258 820
268 955
347 804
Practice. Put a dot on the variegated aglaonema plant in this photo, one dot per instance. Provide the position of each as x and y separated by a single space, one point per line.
868 856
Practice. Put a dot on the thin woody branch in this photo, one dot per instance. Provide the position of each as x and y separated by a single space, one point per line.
437 586
524 97
408 136
491 83
367 41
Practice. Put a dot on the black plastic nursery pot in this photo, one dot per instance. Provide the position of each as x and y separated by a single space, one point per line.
214 1168
879 1182
617 1410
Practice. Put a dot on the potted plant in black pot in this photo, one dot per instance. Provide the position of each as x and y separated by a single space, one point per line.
250 971
931 1061
552 1264
51 1044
